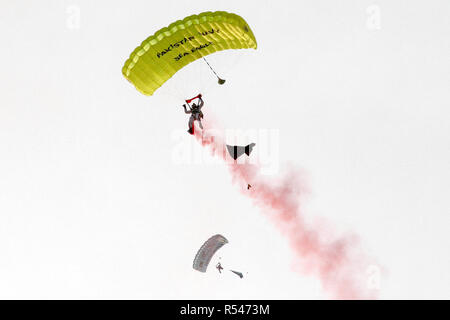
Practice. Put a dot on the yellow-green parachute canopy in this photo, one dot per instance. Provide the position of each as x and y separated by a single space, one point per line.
161 55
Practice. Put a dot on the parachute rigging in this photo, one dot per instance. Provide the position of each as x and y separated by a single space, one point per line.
219 80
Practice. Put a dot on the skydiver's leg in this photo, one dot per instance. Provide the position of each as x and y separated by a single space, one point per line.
200 123
191 125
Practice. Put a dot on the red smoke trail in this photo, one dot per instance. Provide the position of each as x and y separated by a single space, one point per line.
337 261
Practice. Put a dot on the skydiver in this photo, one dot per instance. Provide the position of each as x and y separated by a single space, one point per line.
219 267
196 113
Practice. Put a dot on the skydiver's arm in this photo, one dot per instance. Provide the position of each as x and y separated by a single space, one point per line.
200 104
185 110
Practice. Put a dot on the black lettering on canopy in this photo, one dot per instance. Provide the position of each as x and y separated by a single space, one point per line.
202 46
205 33
175 45
181 55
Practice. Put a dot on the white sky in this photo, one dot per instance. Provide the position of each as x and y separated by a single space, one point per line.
93 204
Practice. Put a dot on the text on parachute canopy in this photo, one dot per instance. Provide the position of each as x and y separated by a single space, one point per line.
186 40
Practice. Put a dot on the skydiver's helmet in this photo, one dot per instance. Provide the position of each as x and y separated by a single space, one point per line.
195 107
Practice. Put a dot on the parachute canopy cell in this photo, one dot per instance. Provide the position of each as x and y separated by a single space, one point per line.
207 251
161 55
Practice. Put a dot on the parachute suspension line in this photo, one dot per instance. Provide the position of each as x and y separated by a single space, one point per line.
220 81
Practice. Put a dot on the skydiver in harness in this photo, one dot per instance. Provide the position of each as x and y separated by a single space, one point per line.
219 267
195 111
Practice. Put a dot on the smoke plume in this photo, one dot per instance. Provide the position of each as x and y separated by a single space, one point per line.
337 260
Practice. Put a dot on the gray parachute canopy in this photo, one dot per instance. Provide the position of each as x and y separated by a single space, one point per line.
206 252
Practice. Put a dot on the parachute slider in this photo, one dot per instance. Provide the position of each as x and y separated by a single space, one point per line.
219 80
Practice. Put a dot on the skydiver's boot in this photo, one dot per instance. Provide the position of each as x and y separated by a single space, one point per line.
200 124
